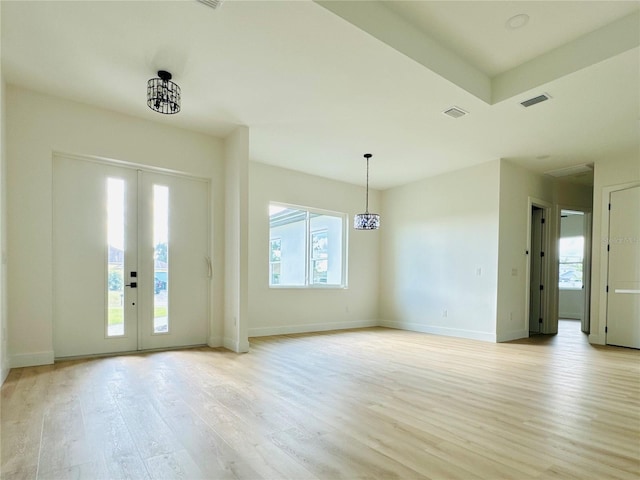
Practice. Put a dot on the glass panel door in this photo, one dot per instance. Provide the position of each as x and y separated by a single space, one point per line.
94 254
131 252
173 255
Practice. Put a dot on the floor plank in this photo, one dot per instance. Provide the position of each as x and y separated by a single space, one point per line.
359 404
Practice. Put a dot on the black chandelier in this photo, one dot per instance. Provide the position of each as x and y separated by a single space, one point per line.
366 220
163 96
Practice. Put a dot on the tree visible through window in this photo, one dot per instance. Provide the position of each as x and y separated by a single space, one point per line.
274 261
571 262
319 256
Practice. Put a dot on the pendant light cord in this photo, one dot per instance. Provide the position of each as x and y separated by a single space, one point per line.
367 201
367 156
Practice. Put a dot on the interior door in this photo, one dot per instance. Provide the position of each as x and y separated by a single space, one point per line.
623 298
131 267
537 270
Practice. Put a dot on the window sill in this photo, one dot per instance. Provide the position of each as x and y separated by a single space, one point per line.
308 287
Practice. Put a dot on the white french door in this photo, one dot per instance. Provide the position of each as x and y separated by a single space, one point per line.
131 259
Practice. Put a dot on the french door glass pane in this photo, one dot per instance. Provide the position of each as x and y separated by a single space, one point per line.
161 259
115 257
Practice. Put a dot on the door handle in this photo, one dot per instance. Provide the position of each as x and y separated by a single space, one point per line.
132 285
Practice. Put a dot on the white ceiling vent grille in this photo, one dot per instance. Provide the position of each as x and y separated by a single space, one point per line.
535 100
570 171
211 3
455 112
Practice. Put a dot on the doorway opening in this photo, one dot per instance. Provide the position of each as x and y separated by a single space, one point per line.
574 272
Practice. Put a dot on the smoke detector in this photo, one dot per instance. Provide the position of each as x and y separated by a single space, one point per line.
455 112
211 3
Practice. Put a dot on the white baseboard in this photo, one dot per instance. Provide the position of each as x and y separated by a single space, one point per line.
309 328
596 339
570 315
235 345
514 335
449 332
31 359
215 342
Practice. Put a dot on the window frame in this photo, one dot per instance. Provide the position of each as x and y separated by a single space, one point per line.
344 217
581 263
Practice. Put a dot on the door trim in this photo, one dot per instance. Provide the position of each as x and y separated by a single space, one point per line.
127 164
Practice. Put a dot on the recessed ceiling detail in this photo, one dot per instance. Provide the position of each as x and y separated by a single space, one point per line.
301 92
535 100
455 112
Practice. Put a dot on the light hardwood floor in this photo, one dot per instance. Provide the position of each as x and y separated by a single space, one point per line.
372 403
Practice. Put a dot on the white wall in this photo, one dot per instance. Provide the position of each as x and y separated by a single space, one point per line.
611 174
291 310
571 304
4 351
517 187
439 252
236 313
37 125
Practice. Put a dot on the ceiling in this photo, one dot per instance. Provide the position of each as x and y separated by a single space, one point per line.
321 83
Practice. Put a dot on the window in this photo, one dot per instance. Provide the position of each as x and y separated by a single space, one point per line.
306 247
571 261
115 257
161 259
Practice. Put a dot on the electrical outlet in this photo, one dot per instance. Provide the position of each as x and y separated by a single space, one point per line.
444 312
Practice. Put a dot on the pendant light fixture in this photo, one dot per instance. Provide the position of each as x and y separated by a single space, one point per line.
163 96
366 220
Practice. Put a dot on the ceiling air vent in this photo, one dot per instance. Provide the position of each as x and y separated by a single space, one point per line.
455 112
211 3
532 101
570 171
